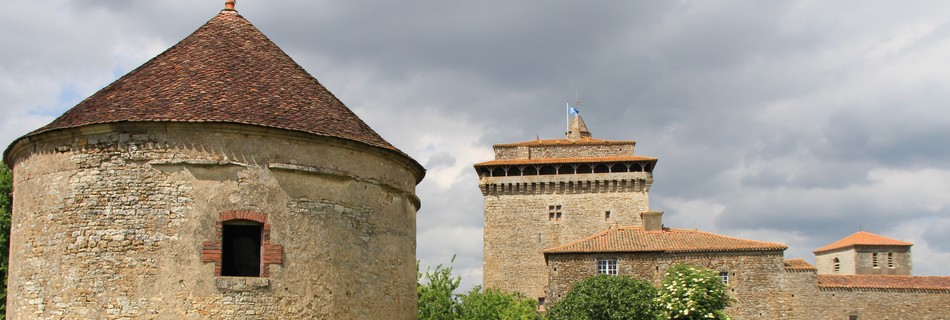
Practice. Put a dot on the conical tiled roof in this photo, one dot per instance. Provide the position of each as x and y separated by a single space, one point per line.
227 71
862 238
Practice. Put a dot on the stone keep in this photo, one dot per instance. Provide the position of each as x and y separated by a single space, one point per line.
545 193
219 154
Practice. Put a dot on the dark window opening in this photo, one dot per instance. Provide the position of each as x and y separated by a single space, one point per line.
618 167
554 213
584 168
606 215
241 249
601 168
547 170
529 171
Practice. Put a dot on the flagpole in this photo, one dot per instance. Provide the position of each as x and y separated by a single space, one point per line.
567 117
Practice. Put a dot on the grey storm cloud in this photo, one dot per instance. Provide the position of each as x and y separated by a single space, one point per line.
791 120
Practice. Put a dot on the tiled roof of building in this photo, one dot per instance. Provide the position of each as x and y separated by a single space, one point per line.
799 264
565 142
635 239
510 162
884 282
862 238
227 71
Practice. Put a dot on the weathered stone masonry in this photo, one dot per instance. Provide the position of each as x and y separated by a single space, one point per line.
114 222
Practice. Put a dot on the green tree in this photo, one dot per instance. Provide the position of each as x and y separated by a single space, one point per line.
607 297
691 292
494 304
6 202
436 295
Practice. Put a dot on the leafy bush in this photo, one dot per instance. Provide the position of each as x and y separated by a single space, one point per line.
436 298
607 297
690 292
494 304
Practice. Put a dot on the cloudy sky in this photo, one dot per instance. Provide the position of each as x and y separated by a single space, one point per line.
796 122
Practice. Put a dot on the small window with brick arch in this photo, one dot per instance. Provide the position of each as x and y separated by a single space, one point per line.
241 248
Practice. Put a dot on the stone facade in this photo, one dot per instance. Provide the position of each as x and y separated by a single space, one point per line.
518 228
111 222
753 276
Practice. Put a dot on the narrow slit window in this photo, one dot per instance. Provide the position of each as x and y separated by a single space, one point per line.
890 260
874 261
606 215
241 248
837 264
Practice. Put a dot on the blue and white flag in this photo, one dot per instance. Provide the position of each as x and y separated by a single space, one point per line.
572 110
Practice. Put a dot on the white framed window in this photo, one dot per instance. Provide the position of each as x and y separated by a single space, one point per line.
607 266
724 275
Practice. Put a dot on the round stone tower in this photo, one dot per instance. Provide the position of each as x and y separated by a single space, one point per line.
217 180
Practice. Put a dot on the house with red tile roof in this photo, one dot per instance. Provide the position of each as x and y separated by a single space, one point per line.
865 253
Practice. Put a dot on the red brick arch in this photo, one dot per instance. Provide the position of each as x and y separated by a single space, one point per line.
270 253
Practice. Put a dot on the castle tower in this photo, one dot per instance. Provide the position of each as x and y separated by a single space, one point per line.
864 253
545 193
218 180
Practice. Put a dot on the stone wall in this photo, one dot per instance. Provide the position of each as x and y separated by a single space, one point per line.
518 229
109 222
567 150
754 277
826 265
802 298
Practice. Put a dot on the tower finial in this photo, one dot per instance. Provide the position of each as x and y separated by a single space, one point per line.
229 4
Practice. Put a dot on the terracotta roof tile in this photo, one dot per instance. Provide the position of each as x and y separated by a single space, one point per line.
565 142
635 239
226 71
884 282
511 162
799 264
862 238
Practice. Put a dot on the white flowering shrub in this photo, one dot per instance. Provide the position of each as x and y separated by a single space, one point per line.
690 292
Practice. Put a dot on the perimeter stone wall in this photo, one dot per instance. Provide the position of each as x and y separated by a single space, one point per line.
802 298
754 277
109 222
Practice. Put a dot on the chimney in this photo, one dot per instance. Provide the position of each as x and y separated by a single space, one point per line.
652 220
